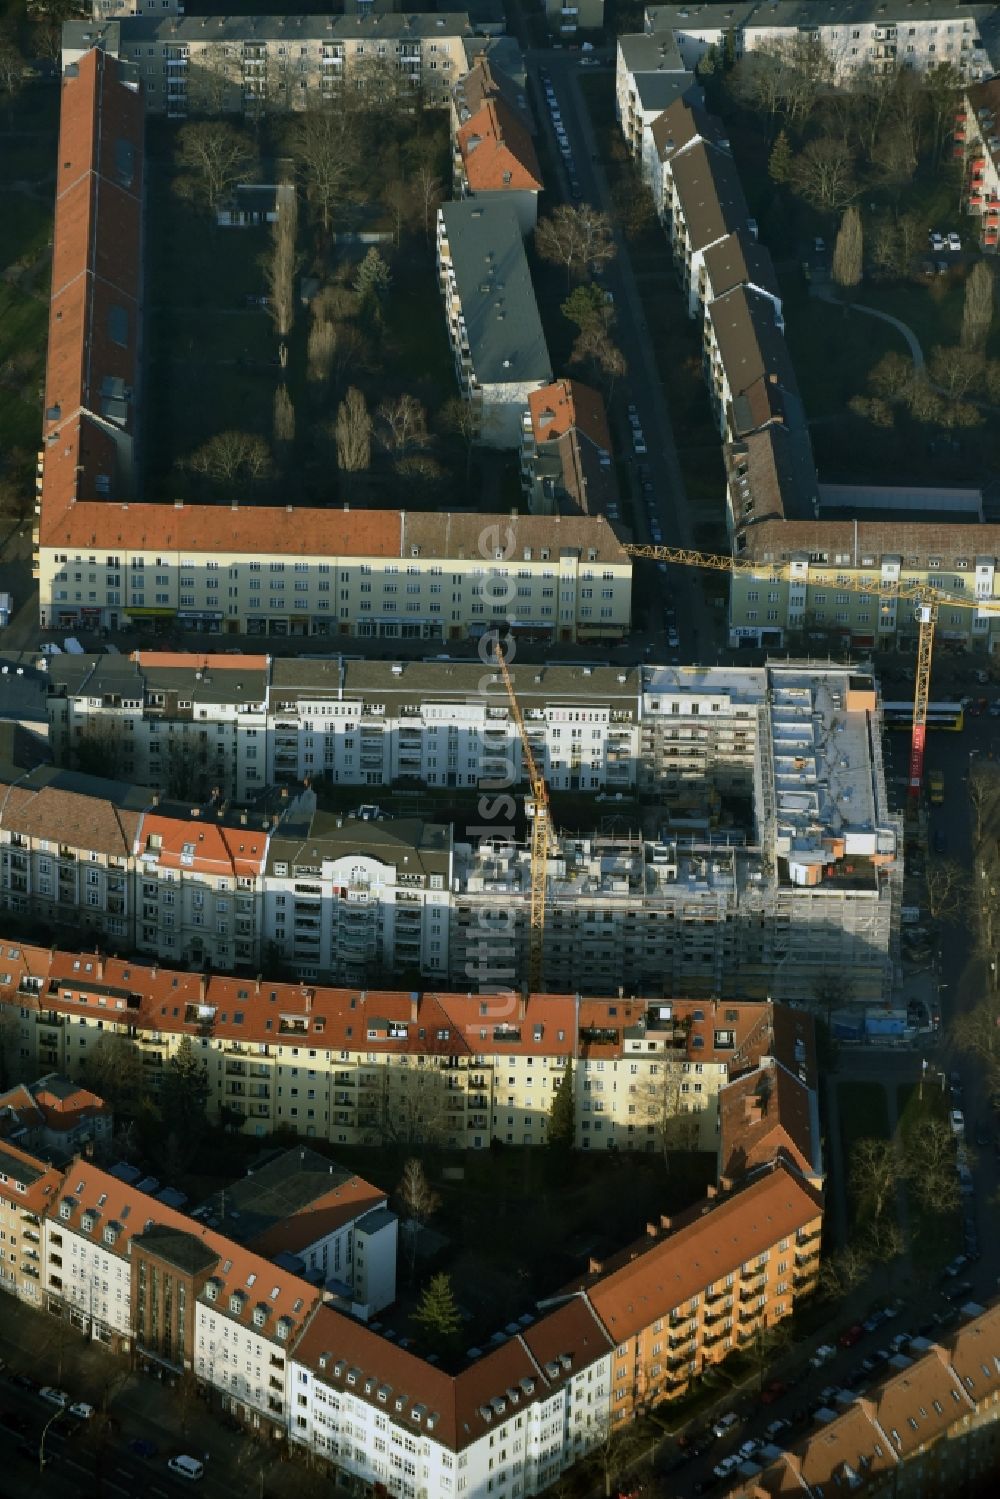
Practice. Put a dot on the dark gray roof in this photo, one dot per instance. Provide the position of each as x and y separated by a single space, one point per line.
751 345
806 13
184 1251
682 122
656 91
494 286
17 1170
740 260
122 794
282 1187
405 682
708 189
772 476
408 843
645 52
128 30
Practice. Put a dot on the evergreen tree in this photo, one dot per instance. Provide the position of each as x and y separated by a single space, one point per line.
779 163
562 1113
728 50
184 1094
438 1312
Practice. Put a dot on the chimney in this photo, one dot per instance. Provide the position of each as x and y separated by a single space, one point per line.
595 1266
711 1190
203 986
725 1183
653 1230
414 1007
666 1222
257 985
309 1000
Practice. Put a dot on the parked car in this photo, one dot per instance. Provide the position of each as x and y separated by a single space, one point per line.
143 1447
187 1467
824 1353
53 1396
673 639
957 1121
958 1264
725 1467
954 242
81 1410
23 1381
726 1423
774 1391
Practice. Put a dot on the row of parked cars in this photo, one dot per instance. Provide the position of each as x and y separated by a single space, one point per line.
565 149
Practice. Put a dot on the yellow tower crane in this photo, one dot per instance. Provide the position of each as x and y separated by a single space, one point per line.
926 598
541 833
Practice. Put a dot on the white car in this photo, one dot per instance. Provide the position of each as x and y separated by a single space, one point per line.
824 1353
53 1396
935 240
723 1469
187 1467
954 242
957 1121
673 639
81 1410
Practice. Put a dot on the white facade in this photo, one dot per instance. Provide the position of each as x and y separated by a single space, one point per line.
248 1364
86 1274
853 38
524 1453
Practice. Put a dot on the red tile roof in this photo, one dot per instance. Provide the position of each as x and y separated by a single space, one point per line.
96 266
456 1409
192 844
323 1216
567 404
497 152
728 1233
132 1212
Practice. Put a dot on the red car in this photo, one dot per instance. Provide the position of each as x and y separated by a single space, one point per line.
851 1336
773 1392
978 708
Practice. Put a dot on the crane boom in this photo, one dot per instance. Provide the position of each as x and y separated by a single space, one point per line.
927 598
541 832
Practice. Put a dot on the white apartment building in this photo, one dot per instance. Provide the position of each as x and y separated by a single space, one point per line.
276 63
976 144
853 34
513 1421
649 78
493 323
107 10
384 574
28 1187
349 898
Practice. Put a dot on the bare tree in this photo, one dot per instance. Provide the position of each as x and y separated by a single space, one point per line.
947 888
892 376
354 433
217 155
404 425
232 456
660 1102
977 313
984 791
842 1272
575 237
957 371
430 192
459 417
215 80
848 250
594 345
281 264
977 1034
418 1201
930 1166
11 74
409 1106
874 1174
326 149
320 351
823 174
284 416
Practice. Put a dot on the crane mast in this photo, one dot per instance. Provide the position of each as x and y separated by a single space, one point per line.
928 601
541 832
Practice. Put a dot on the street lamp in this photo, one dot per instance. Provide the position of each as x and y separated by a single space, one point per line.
45 1431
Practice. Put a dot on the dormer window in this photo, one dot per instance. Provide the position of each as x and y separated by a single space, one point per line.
236 1303
65 1209
211 1291
259 1316
87 1223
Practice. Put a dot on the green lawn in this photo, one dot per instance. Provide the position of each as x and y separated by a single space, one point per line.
935 1238
864 1115
832 349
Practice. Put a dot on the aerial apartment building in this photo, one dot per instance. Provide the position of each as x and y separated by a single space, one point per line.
248 64
976 143
494 159
566 462
649 78
492 317
104 559
812 876
810 555
361 1066
852 35
928 1429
